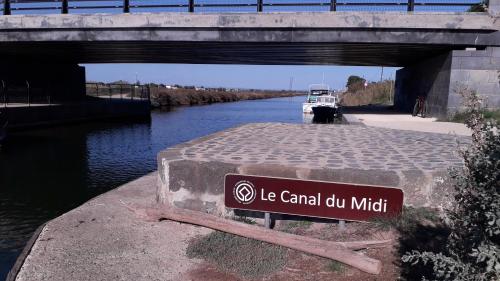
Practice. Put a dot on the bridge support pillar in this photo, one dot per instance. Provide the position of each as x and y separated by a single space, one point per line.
60 82
439 79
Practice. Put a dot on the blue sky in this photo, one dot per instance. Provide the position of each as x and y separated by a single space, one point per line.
234 76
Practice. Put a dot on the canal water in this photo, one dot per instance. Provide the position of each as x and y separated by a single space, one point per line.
47 172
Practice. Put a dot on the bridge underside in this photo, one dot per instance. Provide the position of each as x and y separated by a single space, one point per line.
363 54
430 47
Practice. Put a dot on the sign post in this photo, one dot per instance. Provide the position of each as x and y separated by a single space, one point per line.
332 200
267 220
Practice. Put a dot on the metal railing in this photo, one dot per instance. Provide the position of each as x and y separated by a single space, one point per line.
118 91
9 7
23 93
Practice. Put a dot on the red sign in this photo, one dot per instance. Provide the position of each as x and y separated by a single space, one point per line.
312 198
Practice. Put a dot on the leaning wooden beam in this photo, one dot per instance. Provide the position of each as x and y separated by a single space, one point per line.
332 250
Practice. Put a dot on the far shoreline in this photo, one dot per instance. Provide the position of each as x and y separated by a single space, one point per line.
162 97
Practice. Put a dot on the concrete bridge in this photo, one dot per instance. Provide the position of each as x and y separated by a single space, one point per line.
437 51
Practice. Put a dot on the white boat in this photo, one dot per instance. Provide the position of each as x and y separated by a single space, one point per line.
326 107
321 102
315 91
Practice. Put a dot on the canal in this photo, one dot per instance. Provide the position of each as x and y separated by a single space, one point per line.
47 172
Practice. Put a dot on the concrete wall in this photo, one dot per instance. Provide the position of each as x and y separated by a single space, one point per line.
439 78
62 82
478 71
494 7
94 109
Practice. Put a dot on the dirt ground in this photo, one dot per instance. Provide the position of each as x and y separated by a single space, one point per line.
300 266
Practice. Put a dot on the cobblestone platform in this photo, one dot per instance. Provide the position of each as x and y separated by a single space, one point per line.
192 174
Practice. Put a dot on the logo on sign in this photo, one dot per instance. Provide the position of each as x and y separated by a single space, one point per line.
244 192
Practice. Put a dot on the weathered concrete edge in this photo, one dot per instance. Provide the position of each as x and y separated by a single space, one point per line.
198 185
14 271
352 120
174 152
428 20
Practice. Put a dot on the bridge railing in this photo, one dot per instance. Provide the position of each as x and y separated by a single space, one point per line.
17 93
9 7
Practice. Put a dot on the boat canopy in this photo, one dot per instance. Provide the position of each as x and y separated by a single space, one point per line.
319 89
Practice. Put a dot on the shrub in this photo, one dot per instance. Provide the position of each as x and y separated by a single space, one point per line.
472 251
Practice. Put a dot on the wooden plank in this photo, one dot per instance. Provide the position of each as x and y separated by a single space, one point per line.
333 250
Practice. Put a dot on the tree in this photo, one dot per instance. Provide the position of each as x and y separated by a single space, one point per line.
479 7
354 80
473 247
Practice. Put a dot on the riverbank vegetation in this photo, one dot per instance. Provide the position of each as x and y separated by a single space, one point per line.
165 97
361 92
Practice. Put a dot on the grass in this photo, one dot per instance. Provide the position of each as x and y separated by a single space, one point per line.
335 266
244 256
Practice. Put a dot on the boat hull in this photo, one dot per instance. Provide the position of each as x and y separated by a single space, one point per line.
324 112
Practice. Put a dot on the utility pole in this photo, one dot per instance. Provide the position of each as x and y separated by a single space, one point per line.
382 74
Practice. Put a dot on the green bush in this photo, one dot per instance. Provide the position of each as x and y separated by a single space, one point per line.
472 251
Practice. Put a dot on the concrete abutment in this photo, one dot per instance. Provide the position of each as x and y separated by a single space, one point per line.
48 83
38 94
191 175
494 7
440 78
